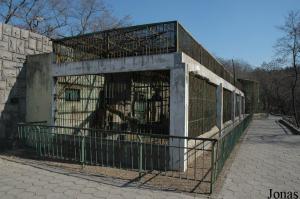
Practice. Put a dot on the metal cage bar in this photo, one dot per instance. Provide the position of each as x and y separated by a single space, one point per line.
202 105
132 101
148 39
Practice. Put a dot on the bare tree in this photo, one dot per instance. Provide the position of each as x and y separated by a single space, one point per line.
11 9
46 16
288 47
242 68
59 18
42 16
93 15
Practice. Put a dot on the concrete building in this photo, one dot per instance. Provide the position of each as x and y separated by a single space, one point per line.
151 79
15 45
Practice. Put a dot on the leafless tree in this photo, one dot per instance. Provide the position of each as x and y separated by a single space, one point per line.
59 18
46 16
42 16
242 68
288 47
93 15
11 9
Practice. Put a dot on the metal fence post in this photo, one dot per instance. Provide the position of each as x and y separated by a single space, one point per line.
19 132
212 177
140 156
39 141
83 150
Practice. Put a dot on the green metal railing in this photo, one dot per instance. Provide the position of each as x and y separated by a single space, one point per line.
193 161
226 143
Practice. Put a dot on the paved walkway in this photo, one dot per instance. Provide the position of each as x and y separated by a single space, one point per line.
268 158
24 181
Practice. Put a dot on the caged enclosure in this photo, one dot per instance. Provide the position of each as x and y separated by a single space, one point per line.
132 101
129 104
202 105
147 98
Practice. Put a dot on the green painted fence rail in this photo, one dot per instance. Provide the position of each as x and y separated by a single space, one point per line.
143 153
226 143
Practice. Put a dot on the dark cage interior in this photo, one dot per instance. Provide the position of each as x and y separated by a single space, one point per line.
132 101
202 105
227 105
237 105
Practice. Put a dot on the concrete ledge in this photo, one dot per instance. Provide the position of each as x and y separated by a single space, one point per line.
260 115
231 127
227 124
290 126
194 66
124 64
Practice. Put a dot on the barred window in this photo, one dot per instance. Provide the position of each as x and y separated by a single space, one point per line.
72 94
131 101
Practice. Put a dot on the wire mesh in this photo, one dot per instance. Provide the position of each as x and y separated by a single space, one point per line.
188 45
227 105
122 42
148 39
135 101
237 105
202 105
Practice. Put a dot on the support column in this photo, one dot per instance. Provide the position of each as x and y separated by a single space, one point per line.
53 100
179 87
220 108
39 88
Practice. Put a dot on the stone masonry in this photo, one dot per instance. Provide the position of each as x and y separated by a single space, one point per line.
15 44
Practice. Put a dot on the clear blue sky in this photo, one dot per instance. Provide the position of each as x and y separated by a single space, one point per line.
241 29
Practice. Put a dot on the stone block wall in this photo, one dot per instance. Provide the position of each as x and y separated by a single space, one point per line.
15 44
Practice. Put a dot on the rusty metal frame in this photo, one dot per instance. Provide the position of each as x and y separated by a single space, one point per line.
148 39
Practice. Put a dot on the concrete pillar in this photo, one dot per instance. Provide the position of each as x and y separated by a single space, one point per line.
233 99
179 87
220 108
39 88
53 100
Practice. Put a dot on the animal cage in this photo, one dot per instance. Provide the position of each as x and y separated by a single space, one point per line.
148 39
131 101
202 105
227 105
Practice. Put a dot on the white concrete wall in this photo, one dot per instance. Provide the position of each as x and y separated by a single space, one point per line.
179 87
39 88
194 66
220 107
124 64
